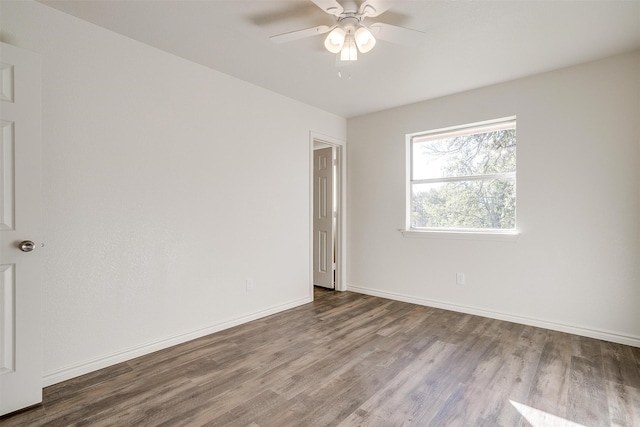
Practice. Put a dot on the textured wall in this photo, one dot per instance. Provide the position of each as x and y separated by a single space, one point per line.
575 265
166 185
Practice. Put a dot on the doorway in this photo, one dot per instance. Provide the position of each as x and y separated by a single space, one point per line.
328 213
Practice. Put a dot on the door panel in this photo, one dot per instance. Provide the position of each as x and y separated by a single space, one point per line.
323 233
20 220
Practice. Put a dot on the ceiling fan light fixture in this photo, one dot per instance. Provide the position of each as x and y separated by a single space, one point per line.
349 51
335 40
364 39
349 35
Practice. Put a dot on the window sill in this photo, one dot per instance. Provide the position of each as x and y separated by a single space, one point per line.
505 236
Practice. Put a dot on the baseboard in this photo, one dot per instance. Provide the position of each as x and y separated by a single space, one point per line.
560 327
77 369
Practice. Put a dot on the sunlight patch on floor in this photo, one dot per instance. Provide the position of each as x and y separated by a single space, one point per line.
538 418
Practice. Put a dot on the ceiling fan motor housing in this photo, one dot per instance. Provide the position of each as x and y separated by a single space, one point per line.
349 20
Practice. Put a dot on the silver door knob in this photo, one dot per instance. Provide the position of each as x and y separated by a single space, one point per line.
27 246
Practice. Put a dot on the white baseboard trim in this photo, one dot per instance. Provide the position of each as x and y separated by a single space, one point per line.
560 327
71 371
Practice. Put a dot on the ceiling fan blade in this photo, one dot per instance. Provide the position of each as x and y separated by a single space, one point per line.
330 6
397 35
373 8
299 34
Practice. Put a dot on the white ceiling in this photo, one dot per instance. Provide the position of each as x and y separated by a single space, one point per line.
468 44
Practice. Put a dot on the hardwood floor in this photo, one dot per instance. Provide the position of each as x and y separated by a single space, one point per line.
355 360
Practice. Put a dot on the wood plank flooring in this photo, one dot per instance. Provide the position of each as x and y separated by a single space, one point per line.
355 360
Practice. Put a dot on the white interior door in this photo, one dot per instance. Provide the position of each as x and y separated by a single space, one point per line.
323 223
20 230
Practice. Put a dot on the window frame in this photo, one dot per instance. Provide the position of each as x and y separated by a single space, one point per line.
448 132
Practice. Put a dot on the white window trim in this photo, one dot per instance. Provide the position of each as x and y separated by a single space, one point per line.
503 175
425 233
443 233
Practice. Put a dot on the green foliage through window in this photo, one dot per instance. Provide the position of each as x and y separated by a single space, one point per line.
464 178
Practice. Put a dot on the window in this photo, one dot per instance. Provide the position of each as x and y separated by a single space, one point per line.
463 178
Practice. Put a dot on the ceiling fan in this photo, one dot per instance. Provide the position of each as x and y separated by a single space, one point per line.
350 35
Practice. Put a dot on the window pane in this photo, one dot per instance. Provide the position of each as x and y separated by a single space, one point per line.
489 204
464 155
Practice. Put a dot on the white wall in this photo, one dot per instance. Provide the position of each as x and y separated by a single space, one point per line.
576 265
166 185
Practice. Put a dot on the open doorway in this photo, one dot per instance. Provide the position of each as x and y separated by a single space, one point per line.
324 215
328 213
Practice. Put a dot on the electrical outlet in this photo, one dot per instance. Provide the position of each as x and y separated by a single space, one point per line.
459 278
250 285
